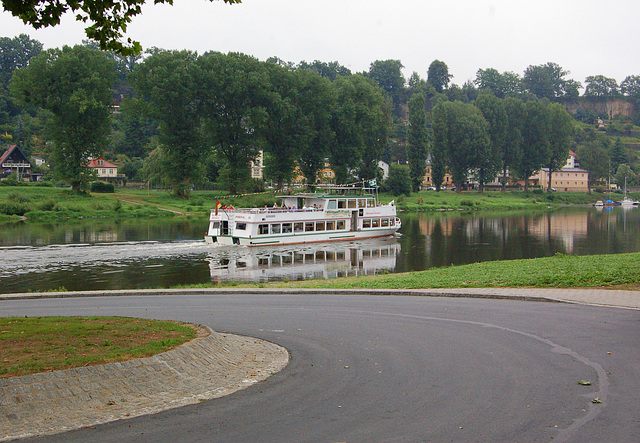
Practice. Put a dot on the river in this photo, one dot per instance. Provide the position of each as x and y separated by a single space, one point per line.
157 254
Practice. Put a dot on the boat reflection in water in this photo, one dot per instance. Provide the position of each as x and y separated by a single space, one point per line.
303 262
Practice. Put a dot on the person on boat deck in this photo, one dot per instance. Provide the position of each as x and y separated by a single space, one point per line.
275 206
315 207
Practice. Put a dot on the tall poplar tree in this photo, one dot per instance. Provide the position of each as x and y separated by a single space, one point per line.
535 143
560 136
418 146
493 111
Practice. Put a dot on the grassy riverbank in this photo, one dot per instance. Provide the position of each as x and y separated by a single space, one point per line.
559 271
31 345
47 204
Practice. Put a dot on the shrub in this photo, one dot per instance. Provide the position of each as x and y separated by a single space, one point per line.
466 203
102 187
14 208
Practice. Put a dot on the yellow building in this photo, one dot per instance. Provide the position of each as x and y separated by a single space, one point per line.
427 181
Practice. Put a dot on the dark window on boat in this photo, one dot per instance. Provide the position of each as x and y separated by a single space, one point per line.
366 223
241 226
340 225
298 227
308 226
216 225
392 222
331 226
371 203
385 222
320 226
275 228
286 228
342 204
375 223
332 204
263 229
352 203
361 203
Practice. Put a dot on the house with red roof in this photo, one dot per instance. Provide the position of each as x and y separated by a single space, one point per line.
14 163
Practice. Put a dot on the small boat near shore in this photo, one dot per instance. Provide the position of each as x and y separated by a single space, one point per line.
334 214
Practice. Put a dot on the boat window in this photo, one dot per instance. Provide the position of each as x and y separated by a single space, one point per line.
241 226
275 228
216 225
352 203
308 226
331 226
342 204
298 227
340 224
385 222
375 223
392 222
320 226
361 203
371 203
366 223
332 204
263 229
286 228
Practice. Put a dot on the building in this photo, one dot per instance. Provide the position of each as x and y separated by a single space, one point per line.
570 178
14 163
257 166
106 171
427 181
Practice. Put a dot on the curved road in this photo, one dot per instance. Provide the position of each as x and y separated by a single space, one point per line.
397 368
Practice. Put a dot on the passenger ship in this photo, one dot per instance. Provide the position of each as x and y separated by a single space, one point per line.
338 213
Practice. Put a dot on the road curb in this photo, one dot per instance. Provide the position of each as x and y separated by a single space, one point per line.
204 368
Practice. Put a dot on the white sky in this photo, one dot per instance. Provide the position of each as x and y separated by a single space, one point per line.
585 37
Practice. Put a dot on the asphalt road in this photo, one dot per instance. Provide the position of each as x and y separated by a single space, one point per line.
384 368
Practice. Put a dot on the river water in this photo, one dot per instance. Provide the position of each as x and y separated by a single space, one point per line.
157 254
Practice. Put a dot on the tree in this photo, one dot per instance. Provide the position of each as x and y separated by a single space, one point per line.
360 121
316 100
440 144
388 76
418 147
625 175
547 81
169 82
494 112
593 154
234 91
398 181
561 130
512 150
15 53
329 70
464 133
75 85
507 84
109 18
438 75
630 87
618 154
535 143
601 87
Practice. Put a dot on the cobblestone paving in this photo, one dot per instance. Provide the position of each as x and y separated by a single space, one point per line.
207 367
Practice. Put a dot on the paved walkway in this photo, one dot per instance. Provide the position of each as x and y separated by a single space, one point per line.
210 366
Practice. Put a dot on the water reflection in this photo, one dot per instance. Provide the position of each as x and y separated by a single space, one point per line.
301 262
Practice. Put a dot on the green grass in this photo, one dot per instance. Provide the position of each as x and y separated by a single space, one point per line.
559 271
31 345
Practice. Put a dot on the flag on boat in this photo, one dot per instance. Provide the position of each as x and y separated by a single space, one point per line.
218 206
373 182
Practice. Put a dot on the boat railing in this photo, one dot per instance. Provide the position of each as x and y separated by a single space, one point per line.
267 210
